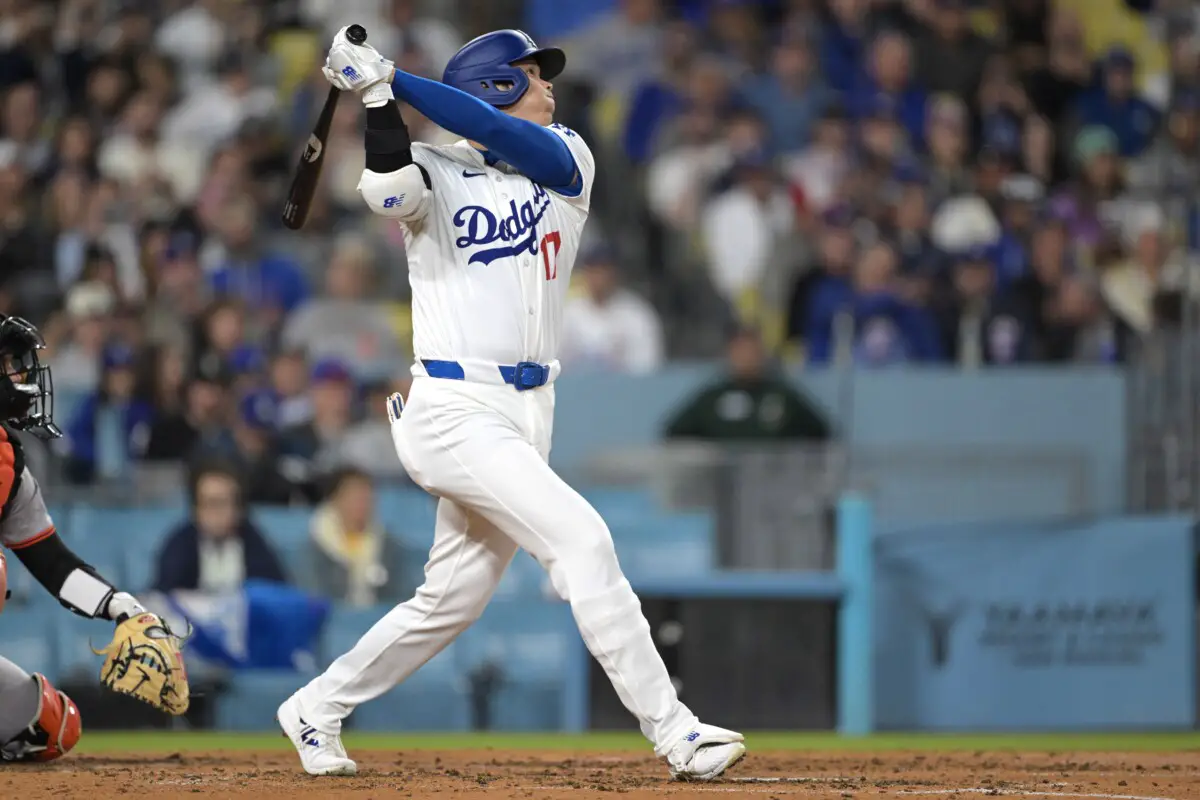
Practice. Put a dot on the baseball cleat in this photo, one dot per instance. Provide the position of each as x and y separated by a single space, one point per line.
320 753
705 753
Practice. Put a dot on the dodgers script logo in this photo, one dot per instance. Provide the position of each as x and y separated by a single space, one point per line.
518 230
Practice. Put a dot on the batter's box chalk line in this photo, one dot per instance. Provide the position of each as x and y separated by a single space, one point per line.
1029 793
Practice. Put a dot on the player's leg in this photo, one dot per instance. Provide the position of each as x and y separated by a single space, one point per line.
466 563
37 722
479 458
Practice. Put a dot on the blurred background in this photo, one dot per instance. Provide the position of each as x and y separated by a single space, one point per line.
939 253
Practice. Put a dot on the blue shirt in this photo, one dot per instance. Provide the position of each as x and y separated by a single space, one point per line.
789 116
267 282
1133 120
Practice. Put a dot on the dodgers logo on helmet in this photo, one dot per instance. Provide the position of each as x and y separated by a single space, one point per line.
481 226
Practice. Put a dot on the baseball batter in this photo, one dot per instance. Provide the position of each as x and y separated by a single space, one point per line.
492 226
38 722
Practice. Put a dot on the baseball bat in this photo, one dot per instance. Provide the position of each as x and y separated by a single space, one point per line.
308 170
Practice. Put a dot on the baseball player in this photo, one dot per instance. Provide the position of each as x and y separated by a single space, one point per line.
38 722
492 226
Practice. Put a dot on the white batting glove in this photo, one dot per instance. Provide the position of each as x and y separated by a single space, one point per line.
359 68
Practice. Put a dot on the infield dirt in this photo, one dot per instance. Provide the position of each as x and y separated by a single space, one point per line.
276 775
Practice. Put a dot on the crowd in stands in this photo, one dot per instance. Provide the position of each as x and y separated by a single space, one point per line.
977 182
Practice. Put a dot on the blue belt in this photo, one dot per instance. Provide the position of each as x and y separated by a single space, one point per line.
522 376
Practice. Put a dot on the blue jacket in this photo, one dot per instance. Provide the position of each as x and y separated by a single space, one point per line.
136 417
886 330
179 559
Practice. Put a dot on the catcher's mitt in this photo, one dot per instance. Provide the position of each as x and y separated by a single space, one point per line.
143 660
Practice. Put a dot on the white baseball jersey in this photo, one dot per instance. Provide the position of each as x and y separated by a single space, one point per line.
491 260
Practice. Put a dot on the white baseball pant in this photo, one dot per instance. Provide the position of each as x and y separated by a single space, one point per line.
483 450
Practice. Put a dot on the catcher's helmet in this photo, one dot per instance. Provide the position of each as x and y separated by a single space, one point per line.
487 60
26 389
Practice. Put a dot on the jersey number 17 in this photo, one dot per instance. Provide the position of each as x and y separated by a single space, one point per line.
550 260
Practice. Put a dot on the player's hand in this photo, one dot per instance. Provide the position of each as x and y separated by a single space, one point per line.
359 68
143 661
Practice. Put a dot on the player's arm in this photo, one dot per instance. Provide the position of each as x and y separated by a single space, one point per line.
392 184
29 533
535 151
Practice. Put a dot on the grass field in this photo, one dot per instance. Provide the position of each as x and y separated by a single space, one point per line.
192 742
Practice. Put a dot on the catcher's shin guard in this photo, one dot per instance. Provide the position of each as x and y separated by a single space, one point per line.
55 728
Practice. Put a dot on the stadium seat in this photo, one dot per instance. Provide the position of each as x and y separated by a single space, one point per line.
620 505
113 562
531 643
408 514
434 698
136 534
287 530
252 697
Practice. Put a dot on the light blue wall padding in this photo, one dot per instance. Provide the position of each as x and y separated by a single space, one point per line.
856 630
28 637
250 702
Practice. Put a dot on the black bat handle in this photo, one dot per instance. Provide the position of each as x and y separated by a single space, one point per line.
356 34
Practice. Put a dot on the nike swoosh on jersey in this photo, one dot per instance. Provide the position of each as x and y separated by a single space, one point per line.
473 174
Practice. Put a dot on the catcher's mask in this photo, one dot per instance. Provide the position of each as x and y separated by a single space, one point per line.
26 388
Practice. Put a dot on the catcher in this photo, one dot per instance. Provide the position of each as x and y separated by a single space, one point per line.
38 722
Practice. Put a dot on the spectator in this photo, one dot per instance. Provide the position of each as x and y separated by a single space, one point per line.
351 558
1092 205
660 99
210 113
889 77
607 326
1054 79
348 324
219 548
750 402
1022 199
618 48
89 313
869 318
950 56
949 146
270 286
1171 166
819 170
202 423
745 228
1115 105
1137 287
310 451
257 454
22 120
112 426
836 252
289 382
368 445
220 335
980 324
791 96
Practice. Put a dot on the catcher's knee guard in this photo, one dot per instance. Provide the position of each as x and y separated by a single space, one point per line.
55 728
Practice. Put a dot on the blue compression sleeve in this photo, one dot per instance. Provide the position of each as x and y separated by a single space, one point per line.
534 151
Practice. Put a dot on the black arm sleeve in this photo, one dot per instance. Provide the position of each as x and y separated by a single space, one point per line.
389 147
51 562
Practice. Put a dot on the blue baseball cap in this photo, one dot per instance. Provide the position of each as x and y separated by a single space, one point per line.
1118 57
258 409
119 355
331 369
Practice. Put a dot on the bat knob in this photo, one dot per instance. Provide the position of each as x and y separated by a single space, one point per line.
356 34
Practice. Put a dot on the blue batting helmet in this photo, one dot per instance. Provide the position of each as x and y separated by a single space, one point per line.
486 61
